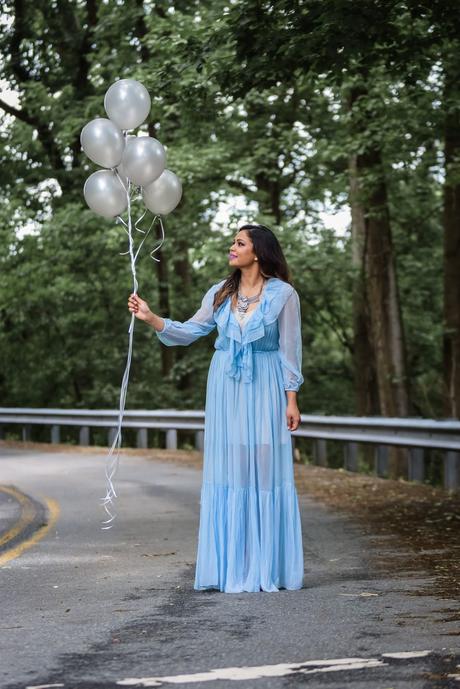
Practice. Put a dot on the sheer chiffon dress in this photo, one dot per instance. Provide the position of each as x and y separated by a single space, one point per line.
249 536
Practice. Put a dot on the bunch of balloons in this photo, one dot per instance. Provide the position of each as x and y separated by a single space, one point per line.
130 162
128 159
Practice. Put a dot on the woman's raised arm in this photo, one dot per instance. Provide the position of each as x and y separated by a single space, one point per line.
176 332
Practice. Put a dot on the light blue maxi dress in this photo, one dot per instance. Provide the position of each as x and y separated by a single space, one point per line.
250 536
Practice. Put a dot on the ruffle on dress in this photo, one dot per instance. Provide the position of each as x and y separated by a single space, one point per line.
241 363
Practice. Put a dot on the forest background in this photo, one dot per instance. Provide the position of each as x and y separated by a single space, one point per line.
274 111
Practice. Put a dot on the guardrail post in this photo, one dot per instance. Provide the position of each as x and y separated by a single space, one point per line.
55 434
199 440
171 439
295 450
26 432
112 434
381 460
320 452
142 438
452 470
350 456
416 467
83 438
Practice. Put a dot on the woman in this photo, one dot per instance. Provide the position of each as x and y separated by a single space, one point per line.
250 532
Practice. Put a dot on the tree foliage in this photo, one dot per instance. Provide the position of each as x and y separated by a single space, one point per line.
252 101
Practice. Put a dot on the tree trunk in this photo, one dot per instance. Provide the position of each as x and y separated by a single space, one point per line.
377 312
382 293
272 196
451 221
365 376
268 176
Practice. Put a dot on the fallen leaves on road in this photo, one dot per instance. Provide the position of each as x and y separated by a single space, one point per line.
422 523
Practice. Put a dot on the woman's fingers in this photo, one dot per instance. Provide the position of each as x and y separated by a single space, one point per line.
138 306
133 304
135 301
292 421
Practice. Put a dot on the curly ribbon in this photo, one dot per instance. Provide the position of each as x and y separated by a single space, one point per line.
113 457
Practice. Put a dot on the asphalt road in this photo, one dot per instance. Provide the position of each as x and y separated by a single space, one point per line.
84 607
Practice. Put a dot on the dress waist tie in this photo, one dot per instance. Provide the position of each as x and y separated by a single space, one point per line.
241 360
240 364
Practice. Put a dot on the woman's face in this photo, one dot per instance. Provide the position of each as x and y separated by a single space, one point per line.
242 250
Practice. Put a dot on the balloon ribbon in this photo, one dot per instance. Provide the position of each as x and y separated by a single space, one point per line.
113 457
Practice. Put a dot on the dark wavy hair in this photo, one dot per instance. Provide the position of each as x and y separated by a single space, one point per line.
272 262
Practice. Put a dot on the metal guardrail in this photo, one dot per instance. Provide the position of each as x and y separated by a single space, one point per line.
169 420
418 435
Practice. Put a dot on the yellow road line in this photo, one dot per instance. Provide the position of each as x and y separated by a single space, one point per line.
26 517
53 511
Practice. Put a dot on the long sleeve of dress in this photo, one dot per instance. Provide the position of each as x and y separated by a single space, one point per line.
200 324
290 342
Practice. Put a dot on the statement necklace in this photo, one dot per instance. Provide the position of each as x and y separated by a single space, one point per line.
243 302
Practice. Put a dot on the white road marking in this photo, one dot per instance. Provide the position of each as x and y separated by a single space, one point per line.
279 670
44 686
363 594
455 675
406 654
372 662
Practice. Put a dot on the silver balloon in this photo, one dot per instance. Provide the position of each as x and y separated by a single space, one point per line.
144 160
103 142
127 103
105 194
163 195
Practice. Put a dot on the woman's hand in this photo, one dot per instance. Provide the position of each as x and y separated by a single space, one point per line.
139 307
292 415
